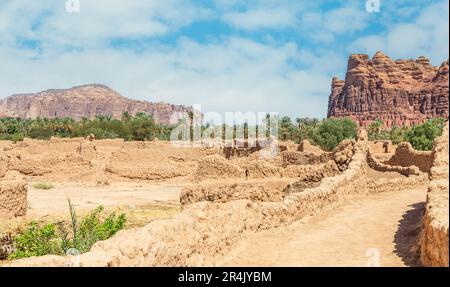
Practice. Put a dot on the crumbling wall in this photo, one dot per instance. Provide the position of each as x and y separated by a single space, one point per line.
217 167
311 173
99 161
260 169
376 165
13 197
306 146
406 155
13 191
255 180
382 147
434 244
150 172
224 191
303 158
201 234
396 184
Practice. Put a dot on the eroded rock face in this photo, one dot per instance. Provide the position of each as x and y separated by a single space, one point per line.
401 92
85 101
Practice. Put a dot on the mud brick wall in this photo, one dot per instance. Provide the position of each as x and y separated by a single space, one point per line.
406 155
434 236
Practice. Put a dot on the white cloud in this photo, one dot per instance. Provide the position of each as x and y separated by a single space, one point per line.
225 73
325 26
97 21
262 18
256 15
237 74
427 35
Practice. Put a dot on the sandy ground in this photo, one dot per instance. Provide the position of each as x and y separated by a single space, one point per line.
376 230
44 202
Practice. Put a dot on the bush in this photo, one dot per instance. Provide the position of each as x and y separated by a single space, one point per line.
422 136
56 239
40 133
330 132
397 134
11 137
36 241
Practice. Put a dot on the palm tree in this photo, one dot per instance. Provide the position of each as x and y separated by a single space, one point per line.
305 127
285 127
126 116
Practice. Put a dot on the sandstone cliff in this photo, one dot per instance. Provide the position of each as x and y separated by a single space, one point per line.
84 101
401 92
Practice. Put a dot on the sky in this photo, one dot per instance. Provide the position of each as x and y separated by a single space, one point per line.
226 55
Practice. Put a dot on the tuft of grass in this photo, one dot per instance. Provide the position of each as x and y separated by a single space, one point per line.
43 185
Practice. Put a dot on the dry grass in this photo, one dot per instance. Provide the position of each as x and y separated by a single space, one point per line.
43 185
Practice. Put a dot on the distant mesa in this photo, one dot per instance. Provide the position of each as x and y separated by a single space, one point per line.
400 92
85 101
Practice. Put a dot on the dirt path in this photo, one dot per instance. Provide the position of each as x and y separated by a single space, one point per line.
365 230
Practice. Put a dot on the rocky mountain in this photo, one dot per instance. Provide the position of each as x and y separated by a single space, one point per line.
85 101
400 92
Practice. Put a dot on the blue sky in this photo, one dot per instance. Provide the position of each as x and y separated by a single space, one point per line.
227 55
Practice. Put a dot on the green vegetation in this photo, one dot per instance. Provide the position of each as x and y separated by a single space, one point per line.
330 132
421 136
139 127
325 133
36 241
57 238
142 127
43 185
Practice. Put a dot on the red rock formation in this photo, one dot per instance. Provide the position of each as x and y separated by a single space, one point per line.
401 92
84 101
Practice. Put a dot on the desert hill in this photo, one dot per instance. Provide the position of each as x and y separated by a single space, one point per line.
84 101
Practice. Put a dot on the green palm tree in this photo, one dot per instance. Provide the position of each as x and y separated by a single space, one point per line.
126 116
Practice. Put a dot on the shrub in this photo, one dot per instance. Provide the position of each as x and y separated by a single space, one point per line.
36 241
397 134
422 136
56 239
11 137
330 132
41 133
